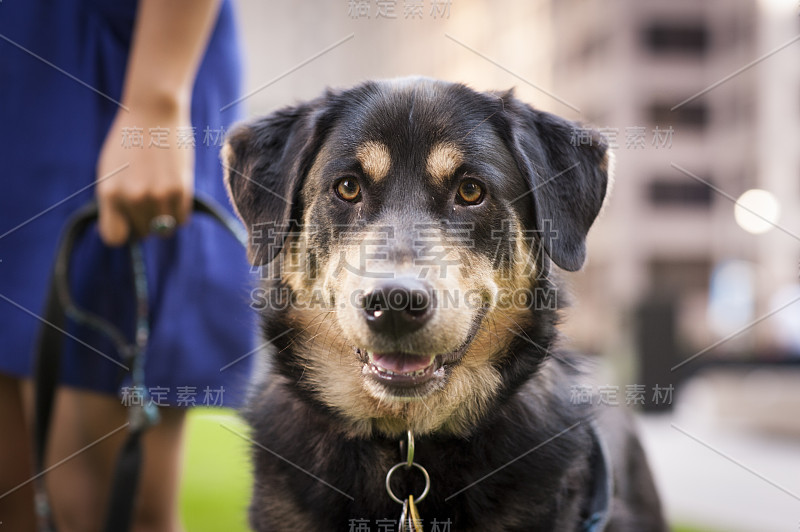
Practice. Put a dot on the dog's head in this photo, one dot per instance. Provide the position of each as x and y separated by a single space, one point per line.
403 226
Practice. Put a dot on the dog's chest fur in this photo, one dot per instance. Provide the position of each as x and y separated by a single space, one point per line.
509 473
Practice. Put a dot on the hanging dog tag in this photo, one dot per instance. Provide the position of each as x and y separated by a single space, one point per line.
403 525
415 523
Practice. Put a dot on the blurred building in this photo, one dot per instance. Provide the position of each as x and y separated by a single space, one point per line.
393 38
637 68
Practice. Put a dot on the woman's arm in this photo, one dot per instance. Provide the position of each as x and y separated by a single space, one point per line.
169 40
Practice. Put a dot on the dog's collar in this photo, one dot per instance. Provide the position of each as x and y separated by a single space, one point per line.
602 479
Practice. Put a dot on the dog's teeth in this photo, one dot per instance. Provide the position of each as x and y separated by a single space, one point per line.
418 373
377 368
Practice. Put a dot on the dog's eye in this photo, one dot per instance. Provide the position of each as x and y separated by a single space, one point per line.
348 189
470 192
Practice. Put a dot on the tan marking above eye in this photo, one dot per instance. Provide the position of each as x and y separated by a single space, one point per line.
443 160
375 159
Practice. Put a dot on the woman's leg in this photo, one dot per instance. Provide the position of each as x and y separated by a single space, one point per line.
16 460
91 425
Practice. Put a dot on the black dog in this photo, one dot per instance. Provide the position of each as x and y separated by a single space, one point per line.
406 230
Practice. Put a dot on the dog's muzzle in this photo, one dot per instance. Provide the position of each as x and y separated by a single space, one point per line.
393 310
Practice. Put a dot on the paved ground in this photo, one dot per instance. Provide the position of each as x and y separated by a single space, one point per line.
723 479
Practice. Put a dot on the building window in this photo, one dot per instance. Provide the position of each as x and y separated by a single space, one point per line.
689 38
680 276
692 115
670 193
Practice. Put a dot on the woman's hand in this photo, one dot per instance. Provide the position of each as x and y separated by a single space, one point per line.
159 178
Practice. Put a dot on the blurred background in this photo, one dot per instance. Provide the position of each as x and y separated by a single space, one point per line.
691 291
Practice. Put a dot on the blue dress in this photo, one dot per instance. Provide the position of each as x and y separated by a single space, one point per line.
61 63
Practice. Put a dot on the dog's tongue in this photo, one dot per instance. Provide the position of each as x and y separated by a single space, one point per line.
401 362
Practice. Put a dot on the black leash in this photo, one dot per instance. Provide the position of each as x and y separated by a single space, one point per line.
60 307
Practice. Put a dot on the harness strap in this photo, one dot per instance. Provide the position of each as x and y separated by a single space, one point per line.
58 308
599 508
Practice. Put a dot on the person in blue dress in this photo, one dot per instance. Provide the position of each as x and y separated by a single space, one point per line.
126 102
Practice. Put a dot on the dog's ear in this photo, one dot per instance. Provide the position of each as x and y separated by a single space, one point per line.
265 163
568 176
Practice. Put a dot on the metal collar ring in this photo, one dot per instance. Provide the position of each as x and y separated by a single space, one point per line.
405 464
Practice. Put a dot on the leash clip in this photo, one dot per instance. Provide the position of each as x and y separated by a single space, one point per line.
142 417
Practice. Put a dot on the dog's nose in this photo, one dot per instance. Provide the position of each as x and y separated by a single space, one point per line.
398 307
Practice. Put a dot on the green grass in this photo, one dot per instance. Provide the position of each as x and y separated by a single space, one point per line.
216 482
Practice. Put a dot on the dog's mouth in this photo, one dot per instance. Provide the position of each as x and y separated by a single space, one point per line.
409 375
405 375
